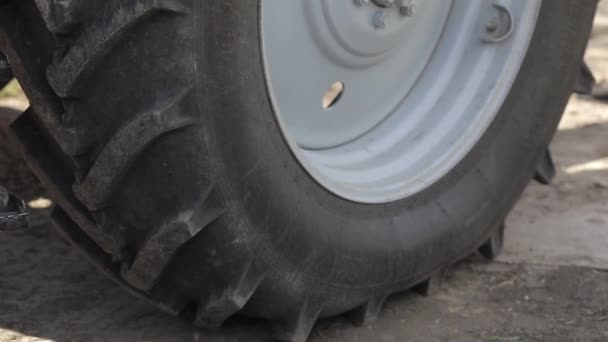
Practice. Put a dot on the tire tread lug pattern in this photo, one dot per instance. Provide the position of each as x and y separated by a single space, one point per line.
297 326
545 171
492 248
54 175
80 141
431 285
163 243
44 151
28 65
369 312
168 301
60 15
586 81
122 150
217 307
98 40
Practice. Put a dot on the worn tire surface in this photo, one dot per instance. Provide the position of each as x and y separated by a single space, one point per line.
152 128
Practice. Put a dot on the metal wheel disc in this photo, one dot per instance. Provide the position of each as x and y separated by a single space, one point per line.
379 99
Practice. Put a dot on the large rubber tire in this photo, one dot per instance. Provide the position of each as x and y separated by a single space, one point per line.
15 175
6 75
156 136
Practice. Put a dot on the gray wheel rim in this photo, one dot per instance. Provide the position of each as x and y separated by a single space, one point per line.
380 99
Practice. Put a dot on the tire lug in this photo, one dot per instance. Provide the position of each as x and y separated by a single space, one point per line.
361 2
431 285
494 245
545 170
369 312
586 81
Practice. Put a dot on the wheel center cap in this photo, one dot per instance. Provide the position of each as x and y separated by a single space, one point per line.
361 32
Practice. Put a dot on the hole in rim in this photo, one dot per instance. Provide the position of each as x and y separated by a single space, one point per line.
333 94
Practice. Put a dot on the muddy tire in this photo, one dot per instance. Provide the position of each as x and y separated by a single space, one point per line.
153 128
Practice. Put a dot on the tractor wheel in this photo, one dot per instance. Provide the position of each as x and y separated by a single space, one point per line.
5 72
288 160
15 175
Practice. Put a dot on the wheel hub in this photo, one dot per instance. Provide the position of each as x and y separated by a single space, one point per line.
340 38
358 33
380 98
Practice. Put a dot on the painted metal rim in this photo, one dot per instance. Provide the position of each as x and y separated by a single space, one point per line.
380 99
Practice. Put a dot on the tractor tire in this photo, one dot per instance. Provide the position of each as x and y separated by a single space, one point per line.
15 174
152 127
6 74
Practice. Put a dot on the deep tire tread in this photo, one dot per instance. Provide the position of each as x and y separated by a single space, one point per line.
545 171
51 157
218 306
168 301
124 148
162 244
431 285
44 160
83 58
369 312
492 248
26 53
297 326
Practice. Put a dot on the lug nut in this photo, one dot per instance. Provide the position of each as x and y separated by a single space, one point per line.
380 19
492 26
406 8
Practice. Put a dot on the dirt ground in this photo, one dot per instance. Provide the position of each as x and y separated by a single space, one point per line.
551 284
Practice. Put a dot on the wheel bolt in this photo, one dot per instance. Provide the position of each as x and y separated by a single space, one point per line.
380 19
500 26
406 8
384 3
492 26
